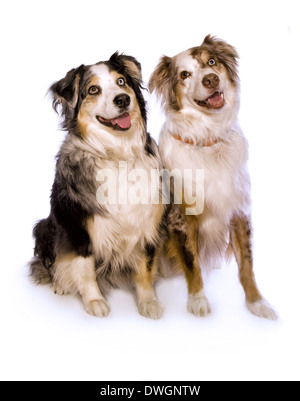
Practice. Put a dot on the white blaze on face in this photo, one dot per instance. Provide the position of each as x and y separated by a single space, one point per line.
100 107
191 89
108 82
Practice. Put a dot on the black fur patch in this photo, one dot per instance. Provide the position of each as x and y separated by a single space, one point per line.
39 273
68 94
71 216
150 146
117 62
44 233
150 252
187 254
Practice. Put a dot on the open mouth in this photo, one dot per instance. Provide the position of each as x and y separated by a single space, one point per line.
215 101
121 123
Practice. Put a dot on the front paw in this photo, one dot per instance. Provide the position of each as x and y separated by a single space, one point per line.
262 309
151 309
198 305
58 289
98 308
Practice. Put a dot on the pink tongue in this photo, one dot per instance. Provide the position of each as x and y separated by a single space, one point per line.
123 122
215 99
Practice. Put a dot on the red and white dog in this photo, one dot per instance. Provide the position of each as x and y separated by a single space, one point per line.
199 89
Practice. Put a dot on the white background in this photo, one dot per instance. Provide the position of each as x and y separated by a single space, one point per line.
47 337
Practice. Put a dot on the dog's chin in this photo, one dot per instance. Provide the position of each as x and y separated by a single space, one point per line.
120 123
215 102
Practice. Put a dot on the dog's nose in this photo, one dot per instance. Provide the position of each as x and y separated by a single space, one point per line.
211 81
122 100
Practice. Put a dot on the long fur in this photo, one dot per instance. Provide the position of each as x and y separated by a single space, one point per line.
227 185
82 240
184 84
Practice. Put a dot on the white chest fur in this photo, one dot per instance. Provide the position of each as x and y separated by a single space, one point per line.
128 192
226 187
224 166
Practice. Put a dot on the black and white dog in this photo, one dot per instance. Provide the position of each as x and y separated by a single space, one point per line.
86 245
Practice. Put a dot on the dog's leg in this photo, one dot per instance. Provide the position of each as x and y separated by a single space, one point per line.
147 302
184 239
76 274
240 235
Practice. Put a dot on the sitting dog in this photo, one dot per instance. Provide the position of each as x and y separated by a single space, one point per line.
199 90
87 237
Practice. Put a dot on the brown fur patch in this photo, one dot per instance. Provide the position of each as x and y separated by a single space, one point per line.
73 102
145 277
222 52
89 102
202 56
133 69
182 248
240 236
164 81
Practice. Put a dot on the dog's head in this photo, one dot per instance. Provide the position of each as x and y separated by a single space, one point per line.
104 96
203 78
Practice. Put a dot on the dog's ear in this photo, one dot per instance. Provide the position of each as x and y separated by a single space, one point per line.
65 93
132 66
127 65
163 81
160 78
227 55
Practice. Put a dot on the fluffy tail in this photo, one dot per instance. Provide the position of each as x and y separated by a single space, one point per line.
44 233
39 273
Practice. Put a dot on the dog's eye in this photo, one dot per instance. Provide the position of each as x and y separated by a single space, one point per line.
185 74
211 61
93 90
121 81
